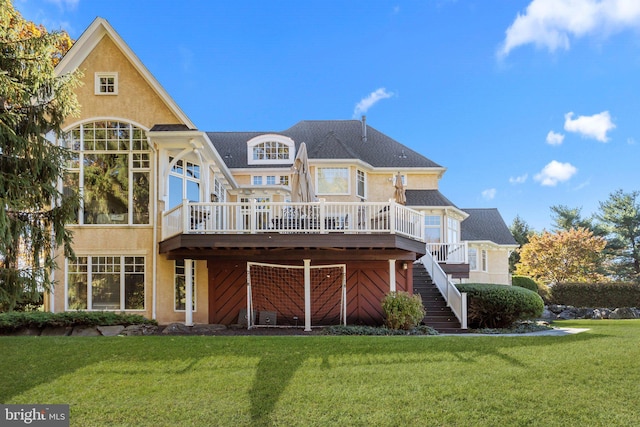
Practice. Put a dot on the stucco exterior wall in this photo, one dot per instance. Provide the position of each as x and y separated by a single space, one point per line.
498 269
135 101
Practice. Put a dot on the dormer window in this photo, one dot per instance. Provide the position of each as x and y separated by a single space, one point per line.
270 149
106 84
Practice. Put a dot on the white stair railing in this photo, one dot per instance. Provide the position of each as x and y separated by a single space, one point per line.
455 299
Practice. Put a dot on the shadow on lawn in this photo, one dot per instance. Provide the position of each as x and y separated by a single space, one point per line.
27 362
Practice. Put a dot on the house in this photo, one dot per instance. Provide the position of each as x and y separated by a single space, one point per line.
173 219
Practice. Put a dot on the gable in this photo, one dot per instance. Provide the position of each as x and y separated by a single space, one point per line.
140 98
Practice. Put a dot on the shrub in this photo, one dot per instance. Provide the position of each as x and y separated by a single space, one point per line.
14 320
402 311
611 295
373 330
499 306
525 282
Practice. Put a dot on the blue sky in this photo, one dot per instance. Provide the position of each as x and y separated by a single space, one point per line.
527 103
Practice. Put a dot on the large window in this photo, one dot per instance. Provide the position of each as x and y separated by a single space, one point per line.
180 286
271 150
432 228
110 168
333 181
105 283
184 182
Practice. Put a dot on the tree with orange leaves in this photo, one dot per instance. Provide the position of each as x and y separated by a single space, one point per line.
573 255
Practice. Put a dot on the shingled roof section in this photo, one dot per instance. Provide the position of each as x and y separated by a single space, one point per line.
426 198
169 127
486 225
327 139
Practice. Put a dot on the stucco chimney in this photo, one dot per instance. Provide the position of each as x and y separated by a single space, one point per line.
364 128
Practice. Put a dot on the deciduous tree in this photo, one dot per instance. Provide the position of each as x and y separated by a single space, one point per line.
33 103
564 256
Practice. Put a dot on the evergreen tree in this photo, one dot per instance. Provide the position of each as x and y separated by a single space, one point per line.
620 215
521 232
34 102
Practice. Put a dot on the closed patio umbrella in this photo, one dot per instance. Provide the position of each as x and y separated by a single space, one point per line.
301 184
400 196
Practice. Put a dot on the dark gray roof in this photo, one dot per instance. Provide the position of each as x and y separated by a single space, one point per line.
426 198
327 139
169 127
486 225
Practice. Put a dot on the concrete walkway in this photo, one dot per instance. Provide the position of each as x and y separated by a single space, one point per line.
555 332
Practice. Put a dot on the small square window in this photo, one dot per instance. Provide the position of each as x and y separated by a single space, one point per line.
106 84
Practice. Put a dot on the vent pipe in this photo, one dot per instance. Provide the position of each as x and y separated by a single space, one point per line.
364 128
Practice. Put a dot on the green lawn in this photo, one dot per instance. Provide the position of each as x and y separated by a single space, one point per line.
592 378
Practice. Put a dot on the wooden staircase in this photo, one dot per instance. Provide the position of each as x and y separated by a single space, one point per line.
439 316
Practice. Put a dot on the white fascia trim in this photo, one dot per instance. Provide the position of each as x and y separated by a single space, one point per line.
198 140
90 39
489 243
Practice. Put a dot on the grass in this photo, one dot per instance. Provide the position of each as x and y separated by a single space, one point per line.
590 378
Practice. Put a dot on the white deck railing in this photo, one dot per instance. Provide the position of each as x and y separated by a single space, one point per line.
456 300
450 253
286 217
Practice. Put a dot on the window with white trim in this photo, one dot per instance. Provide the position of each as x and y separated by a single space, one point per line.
105 283
184 182
453 230
432 228
332 180
110 167
361 182
270 179
180 286
476 264
270 149
106 83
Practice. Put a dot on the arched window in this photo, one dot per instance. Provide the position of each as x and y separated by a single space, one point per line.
110 168
270 149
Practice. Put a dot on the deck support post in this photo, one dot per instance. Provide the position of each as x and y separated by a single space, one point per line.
307 295
188 284
392 275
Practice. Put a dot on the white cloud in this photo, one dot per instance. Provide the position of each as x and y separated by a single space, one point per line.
555 172
519 179
489 193
631 141
551 23
363 106
554 138
595 126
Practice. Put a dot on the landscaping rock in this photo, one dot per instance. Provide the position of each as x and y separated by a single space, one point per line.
623 313
548 314
85 331
567 314
177 329
60 331
134 330
110 331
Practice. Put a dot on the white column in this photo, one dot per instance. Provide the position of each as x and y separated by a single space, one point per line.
307 295
188 284
392 275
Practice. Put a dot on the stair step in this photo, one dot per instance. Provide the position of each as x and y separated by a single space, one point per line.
438 315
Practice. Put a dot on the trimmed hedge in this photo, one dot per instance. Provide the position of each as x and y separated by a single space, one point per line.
15 320
611 295
525 282
499 306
